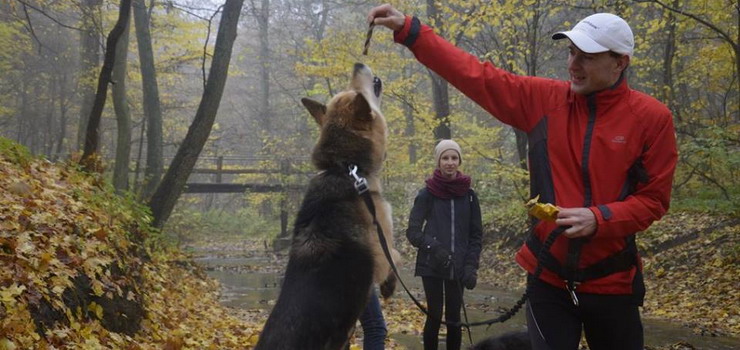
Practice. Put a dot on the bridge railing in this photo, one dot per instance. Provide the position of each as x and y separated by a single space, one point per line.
255 174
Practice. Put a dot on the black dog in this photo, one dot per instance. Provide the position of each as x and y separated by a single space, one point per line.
508 341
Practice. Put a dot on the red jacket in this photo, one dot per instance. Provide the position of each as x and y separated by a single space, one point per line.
613 151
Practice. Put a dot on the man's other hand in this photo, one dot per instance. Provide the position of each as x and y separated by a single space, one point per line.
582 222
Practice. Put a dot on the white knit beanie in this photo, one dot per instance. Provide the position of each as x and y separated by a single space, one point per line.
443 146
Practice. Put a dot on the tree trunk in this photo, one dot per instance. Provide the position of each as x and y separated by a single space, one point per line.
173 183
123 117
533 34
440 88
63 107
410 131
668 55
89 57
93 123
262 15
152 109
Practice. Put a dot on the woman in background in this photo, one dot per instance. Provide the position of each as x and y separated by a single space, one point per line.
445 227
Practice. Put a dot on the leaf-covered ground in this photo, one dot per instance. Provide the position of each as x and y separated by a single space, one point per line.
76 260
68 257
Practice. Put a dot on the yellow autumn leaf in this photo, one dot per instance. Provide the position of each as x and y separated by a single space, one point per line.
8 294
96 309
7 344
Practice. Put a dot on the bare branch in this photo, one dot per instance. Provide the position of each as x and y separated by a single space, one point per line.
711 26
48 16
30 27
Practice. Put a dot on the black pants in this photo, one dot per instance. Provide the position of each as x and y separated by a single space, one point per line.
439 292
608 321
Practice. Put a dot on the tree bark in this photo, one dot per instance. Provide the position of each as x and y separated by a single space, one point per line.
152 109
533 34
440 88
262 15
89 57
668 55
173 183
123 117
93 123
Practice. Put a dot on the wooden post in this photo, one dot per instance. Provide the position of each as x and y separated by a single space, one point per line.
219 168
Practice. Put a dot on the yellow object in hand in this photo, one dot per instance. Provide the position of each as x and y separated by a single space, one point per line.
542 211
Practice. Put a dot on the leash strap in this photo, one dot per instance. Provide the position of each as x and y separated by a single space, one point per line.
360 184
465 312
365 194
571 267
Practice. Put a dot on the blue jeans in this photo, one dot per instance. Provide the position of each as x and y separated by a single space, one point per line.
373 324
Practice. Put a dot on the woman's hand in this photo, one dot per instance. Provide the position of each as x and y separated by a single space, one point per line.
469 277
386 15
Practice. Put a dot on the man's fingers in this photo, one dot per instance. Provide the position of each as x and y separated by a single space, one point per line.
566 221
378 11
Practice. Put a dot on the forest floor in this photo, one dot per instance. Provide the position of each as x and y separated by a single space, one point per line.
79 269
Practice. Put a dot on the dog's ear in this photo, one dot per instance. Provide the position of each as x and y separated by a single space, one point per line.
362 108
317 109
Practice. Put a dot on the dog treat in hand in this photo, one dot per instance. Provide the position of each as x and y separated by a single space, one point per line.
367 38
542 211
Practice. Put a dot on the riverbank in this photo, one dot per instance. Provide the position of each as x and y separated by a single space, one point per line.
498 272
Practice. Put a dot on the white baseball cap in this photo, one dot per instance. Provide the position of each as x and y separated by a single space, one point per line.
601 32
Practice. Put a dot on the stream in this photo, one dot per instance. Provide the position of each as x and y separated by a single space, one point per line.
251 280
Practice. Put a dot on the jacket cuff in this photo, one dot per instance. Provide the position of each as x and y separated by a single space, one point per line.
602 213
409 33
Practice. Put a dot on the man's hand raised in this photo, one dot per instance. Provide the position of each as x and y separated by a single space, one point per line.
386 15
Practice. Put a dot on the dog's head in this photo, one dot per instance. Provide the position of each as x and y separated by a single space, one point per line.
353 131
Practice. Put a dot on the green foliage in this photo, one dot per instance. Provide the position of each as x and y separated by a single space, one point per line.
187 225
14 152
507 224
707 174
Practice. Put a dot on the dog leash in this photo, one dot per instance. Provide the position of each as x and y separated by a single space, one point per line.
362 189
465 312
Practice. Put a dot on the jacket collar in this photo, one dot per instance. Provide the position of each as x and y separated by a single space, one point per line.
605 97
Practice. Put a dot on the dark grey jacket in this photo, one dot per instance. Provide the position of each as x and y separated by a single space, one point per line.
453 223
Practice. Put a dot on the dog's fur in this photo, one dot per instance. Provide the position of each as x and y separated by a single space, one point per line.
335 256
508 341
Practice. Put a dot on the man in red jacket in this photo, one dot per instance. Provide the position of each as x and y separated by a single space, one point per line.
603 153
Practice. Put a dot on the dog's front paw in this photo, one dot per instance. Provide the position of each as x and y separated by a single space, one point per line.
388 286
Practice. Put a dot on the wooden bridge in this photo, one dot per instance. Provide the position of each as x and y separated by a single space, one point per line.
270 175
254 175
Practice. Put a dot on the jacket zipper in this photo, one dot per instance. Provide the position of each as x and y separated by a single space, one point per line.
587 195
452 240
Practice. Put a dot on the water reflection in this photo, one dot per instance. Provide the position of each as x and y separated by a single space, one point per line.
247 286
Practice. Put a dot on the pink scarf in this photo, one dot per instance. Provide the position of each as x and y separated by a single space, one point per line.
446 188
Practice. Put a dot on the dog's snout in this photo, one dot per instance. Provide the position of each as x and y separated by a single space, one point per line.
377 86
358 67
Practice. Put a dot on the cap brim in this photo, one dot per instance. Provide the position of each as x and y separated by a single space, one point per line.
582 41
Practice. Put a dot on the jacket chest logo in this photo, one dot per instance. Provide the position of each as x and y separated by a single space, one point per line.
619 139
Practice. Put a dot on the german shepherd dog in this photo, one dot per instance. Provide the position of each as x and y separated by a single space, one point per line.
335 255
